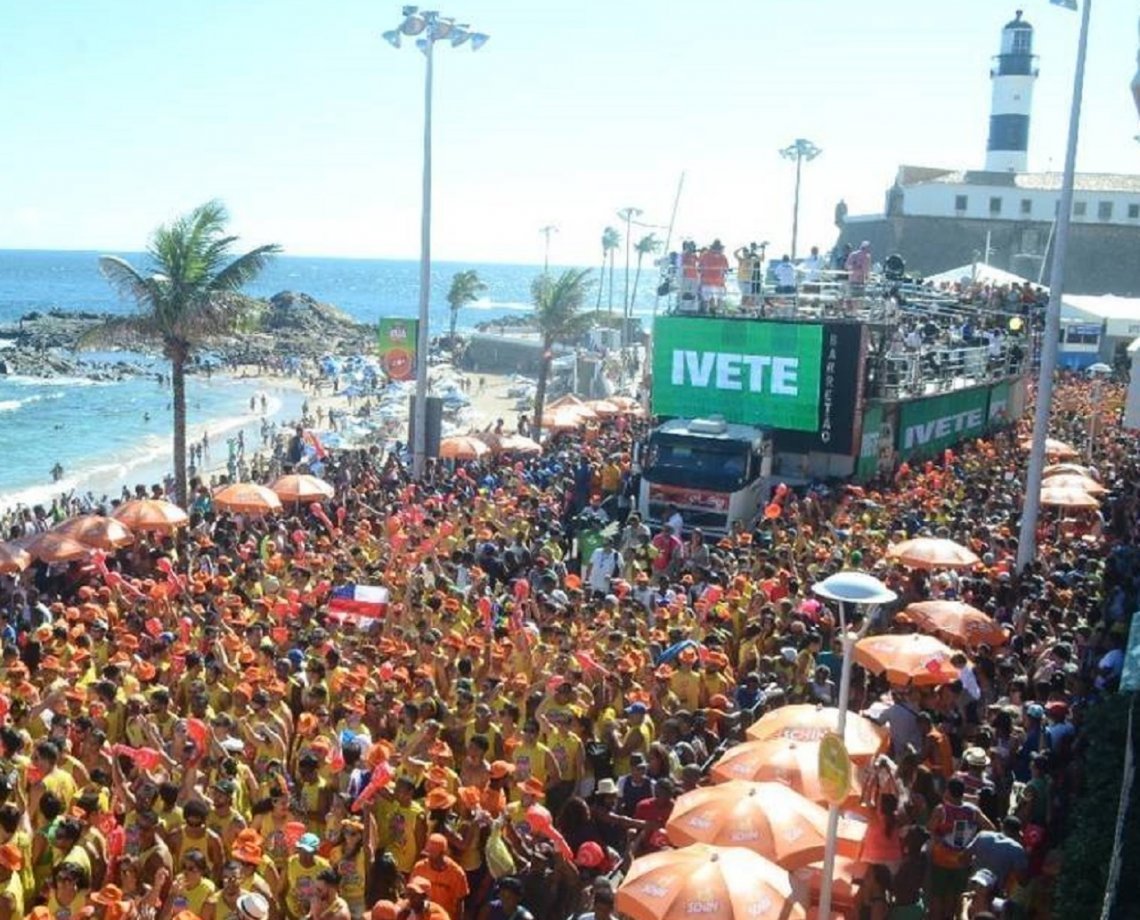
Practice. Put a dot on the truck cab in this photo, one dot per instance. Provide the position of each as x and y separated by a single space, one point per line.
716 473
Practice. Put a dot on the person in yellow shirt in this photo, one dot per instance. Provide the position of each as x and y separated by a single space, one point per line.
685 682
637 738
533 758
570 755
53 779
406 826
298 881
11 887
611 476
68 896
16 830
715 681
351 859
191 888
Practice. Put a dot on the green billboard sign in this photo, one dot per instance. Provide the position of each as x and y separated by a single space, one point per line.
396 347
868 463
927 426
749 371
1000 411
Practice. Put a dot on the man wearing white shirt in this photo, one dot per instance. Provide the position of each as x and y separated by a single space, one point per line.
811 267
605 565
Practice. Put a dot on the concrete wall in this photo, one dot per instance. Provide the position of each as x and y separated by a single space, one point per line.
1102 257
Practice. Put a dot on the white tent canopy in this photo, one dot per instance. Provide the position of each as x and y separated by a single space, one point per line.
979 273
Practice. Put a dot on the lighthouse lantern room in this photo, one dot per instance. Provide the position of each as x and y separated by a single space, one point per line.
1013 75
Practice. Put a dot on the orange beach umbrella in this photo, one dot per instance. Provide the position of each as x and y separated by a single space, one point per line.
96 531
1058 450
1074 481
518 444
957 623
713 883
53 547
13 559
301 487
778 760
768 818
463 447
149 515
809 722
932 553
918 659
1056 469
247 498
1067 498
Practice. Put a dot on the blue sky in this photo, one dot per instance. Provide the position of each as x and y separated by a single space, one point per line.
119 114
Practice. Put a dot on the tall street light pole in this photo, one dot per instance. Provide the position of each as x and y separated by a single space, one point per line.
1027 538
546 231
864 593
627 214
799 150
428 27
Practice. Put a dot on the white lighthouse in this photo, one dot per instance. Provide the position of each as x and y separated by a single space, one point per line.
1013 75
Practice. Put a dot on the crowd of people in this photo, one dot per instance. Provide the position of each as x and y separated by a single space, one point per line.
192 730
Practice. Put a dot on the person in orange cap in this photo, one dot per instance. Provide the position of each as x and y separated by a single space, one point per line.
449 885
417 902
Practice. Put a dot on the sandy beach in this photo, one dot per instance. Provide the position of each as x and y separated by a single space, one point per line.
287 400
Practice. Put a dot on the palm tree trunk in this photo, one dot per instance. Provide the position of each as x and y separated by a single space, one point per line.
454 321
602 276
178 390
611 282
633 293
540 387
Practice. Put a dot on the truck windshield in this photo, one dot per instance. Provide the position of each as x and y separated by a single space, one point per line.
704 462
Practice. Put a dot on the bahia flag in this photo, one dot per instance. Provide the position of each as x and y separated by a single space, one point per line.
359 603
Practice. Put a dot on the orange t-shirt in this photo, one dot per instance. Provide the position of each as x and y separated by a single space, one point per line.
448 885
713 266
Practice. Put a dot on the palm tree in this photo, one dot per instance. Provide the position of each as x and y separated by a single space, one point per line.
611 240
466 287
188 296
558 316
646 246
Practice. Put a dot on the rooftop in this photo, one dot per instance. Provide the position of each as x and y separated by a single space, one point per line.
1042 181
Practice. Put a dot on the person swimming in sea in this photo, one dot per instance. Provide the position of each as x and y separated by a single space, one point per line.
146 416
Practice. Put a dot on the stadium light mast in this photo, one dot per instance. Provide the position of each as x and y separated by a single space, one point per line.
799 150
428 28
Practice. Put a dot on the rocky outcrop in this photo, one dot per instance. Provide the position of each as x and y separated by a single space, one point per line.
288 324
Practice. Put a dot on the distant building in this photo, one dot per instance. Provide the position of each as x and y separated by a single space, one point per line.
937 218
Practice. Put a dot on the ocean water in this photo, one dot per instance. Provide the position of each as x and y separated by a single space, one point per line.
100 433
366 289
